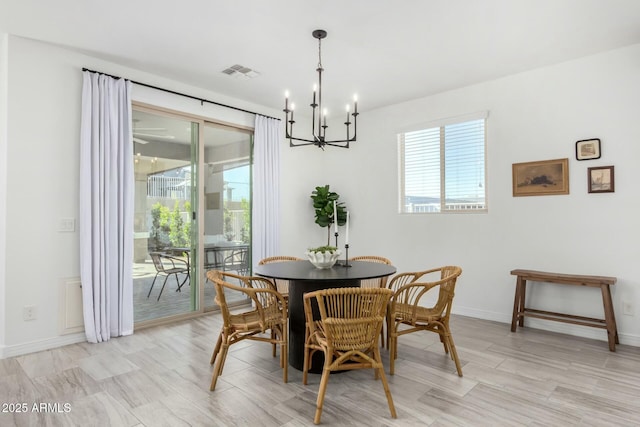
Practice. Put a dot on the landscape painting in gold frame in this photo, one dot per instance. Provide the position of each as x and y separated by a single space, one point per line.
541 178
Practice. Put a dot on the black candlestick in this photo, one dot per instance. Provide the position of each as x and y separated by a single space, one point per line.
346 256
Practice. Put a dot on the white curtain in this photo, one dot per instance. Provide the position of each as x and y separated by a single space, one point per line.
106 207
266 188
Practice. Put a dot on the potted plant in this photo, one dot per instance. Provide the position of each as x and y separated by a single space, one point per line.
323 256
323 204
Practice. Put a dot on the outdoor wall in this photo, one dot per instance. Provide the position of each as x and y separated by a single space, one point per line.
213 217
537 115
39 177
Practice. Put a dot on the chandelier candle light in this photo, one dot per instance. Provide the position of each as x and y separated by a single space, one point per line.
318 113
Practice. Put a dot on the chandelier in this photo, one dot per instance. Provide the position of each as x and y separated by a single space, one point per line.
319 114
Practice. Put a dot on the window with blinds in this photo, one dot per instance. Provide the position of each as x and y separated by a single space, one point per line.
442 168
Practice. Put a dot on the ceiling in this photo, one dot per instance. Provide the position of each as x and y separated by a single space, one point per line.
386 52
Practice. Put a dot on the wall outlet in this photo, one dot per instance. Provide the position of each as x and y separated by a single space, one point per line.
29 312
627 308
67 225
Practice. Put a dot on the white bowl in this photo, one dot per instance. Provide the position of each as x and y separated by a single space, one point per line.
323 260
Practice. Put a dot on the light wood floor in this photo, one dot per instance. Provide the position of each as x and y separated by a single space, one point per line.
160 377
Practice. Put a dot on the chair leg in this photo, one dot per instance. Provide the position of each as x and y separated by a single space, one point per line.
321 392
273 343
283 358
307 357
180 285
162 289
392 342
442 332
152 283
385 385
305 365
216 350
219 365
454 353
388 329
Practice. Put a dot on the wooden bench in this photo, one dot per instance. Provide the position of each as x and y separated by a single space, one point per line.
603 282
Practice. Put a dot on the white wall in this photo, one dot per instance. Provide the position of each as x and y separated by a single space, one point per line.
41 168
537 115
533 116
4 46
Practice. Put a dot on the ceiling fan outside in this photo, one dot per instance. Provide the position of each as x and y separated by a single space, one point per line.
136 133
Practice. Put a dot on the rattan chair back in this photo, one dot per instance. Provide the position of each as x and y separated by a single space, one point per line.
281 284
380 282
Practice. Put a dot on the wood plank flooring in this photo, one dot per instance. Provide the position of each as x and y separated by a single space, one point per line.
160 377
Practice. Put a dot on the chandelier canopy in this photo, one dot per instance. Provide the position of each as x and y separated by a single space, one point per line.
319 114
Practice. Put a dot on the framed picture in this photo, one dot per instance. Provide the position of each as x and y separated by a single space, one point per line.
541 178
588 149
601 179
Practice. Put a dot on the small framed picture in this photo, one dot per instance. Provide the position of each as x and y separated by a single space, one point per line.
588 149
601 179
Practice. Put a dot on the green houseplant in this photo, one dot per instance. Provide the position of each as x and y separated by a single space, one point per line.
323 200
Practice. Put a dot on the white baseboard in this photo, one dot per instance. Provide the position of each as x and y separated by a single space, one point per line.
41 345
563 328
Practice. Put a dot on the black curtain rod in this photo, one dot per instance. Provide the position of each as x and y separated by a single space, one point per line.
202 100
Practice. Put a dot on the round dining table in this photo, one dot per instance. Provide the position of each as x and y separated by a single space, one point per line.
303 277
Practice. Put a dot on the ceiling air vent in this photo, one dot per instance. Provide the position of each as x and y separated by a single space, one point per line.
240 71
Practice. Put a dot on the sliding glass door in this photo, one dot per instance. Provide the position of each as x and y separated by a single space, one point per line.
165 232
192 211
226 221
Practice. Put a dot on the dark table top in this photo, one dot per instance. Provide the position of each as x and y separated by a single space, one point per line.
304 270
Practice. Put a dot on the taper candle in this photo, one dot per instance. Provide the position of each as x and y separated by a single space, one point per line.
346 233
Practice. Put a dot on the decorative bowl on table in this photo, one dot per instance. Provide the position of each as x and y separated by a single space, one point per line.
324 256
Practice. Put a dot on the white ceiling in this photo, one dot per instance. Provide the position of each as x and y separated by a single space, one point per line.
386 51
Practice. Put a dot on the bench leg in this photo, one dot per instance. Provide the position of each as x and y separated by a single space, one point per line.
609 317
518 304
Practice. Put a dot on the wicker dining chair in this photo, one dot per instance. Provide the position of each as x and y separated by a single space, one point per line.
398 281
267 314
379 282
347 333
281 285
406 309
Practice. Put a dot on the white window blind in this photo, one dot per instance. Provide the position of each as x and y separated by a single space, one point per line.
442 168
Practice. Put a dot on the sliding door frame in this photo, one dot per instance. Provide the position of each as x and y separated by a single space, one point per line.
199 213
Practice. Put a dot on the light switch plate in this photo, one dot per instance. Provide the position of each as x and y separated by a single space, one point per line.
67 225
